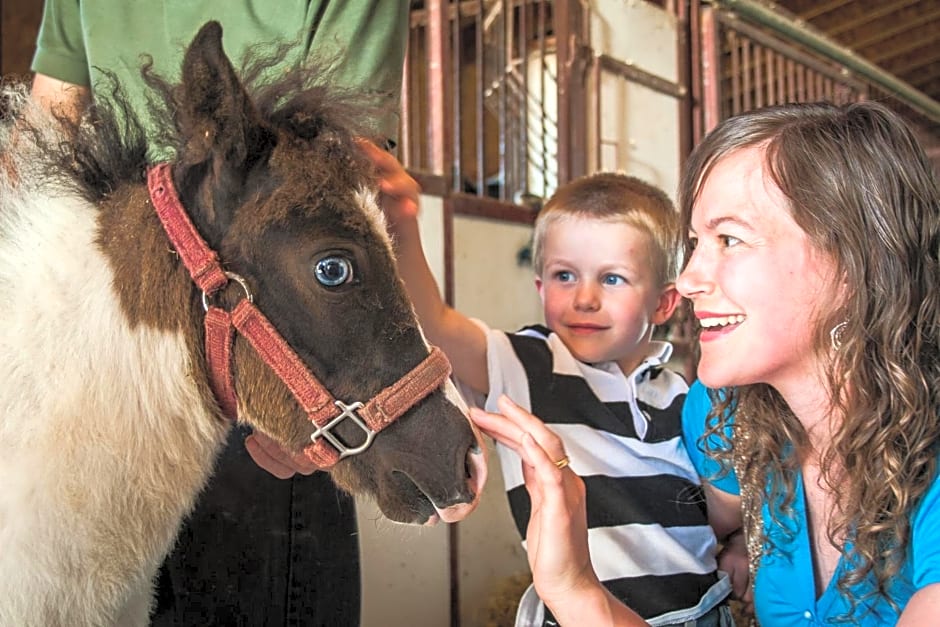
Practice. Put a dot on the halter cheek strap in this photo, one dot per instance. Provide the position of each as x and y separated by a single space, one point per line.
321 408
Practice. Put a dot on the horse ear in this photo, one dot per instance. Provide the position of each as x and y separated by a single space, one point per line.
216 117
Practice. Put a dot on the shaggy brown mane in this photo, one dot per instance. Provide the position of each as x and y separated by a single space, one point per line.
305 102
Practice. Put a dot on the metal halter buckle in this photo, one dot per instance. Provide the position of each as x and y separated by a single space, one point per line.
326 431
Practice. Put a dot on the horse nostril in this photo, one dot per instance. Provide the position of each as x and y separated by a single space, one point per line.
468 466
471 469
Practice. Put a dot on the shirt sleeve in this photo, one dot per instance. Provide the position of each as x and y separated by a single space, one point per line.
369 40
695 412
505 371
925 545
60 46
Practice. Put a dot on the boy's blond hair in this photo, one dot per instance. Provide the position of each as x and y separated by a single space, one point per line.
615 197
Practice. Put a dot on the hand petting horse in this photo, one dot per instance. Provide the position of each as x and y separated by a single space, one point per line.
146 306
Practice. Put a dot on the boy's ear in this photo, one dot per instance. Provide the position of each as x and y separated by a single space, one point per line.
538 286
669 299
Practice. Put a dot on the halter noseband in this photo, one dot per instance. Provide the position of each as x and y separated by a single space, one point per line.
321 408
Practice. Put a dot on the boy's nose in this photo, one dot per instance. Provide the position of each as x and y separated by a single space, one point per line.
586 298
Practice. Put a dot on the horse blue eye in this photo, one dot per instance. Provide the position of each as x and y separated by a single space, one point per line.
333 271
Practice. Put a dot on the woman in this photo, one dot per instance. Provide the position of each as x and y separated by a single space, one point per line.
813 268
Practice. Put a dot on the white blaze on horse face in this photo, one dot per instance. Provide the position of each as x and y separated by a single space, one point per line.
367 199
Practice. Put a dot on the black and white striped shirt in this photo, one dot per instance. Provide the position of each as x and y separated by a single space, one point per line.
648 530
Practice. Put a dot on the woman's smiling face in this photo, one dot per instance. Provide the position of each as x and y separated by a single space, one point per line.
757 284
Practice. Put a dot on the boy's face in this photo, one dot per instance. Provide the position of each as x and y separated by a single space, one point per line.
600 292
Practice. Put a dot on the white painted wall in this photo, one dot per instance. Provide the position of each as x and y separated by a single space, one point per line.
639 130
491 286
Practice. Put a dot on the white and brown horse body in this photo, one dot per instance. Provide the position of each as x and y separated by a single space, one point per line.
108 427
105 440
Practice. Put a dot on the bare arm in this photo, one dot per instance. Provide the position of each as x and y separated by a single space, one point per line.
724 516
724 511
923 608
462 341
58 96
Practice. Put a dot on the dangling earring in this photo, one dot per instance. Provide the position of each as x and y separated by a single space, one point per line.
835 334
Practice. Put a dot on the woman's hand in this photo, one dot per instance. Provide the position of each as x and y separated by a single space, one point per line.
733 560
557 536
557 533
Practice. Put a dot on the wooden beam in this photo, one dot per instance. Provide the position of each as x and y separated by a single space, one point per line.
820 8
926 38
868 15
897 27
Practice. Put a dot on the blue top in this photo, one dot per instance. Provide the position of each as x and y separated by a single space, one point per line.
784 591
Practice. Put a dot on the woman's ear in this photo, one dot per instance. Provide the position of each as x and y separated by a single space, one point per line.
669 299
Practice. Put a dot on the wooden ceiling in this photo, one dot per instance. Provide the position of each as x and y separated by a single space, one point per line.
901 37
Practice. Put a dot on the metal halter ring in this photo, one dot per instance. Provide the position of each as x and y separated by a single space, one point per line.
348 412
234 277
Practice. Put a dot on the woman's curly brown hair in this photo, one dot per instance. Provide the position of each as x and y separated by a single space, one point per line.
864 192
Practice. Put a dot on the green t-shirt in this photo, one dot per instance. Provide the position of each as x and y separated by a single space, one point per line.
364 39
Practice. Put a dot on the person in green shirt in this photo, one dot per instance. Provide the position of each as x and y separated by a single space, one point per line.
362 41
270 542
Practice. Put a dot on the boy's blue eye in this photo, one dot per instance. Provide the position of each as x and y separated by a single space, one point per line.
613 279
564 276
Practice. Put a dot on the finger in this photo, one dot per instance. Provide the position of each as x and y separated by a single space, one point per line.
395 177
748 596
532 486
266 461
529 423
373 152
400 186
525 420
542 464
296 463
497 427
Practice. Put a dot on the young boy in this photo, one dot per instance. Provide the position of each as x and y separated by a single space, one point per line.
605 262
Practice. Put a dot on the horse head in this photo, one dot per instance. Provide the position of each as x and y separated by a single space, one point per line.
273 180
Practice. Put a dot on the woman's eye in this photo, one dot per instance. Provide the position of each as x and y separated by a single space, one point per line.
729 240
333 271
